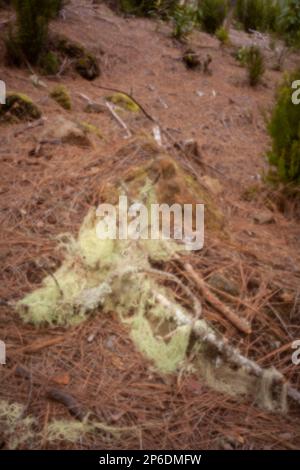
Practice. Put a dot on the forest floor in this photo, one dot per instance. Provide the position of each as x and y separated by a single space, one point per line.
49 194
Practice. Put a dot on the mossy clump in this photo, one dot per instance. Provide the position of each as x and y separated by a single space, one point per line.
85 63
124 101
49 63
17 429
87 66
67 47
191 59
61 96
91 129
19 107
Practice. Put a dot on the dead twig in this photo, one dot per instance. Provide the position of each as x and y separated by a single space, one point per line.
29 126
238 322
68 401
110 107
39 345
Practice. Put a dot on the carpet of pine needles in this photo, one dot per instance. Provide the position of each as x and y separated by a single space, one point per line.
44 196
97 363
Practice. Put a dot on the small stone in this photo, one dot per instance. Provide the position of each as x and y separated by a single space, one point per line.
222 283
265 217
95 108
91 338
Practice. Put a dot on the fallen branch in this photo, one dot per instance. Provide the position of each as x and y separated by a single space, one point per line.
29 126
39 345
238 322
206 334
110 107
68 401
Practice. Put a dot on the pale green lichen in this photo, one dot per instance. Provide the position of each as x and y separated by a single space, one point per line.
18 430
68 431
113 276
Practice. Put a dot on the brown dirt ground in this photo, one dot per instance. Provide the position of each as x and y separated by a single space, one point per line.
44 196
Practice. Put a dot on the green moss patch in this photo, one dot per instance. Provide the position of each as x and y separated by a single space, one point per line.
19 107
61 95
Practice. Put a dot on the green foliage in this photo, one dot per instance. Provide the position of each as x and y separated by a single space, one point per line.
212 14
19 107
61 96
29 39
255 64
223 35
241 55
259 15
284 129
87 66
191 59
163 8
184 18
289 23
55 7
49 63
85 63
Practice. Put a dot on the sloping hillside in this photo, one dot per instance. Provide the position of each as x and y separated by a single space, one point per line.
250 260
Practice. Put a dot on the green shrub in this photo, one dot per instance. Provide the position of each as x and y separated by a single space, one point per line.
183 18
259 15
61 96
212 14
255 64
148 7
29 39
241 55
49 63
284 129
223 35
19 107
289 23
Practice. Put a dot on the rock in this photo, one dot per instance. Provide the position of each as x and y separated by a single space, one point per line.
96 108
37 82
66 131
264 217
61 96
19 107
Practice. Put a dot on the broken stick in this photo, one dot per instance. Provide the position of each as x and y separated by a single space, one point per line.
238 322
